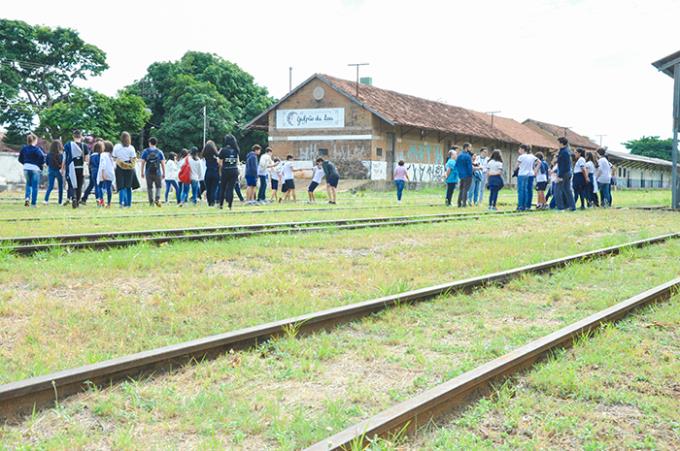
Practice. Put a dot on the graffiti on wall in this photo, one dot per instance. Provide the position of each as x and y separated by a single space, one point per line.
422 153
378 170
336 151
419 172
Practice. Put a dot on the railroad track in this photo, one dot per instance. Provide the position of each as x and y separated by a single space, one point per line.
455 393
20 397
239 211
102 240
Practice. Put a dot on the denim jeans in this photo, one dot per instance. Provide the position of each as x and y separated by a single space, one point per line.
450 188
400 188
525 194
92 184
172 183
605 194
194 185
125 197
104 187
473 192
32 180
495 185
262 193
54 174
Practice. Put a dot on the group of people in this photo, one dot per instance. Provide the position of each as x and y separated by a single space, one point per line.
210 171
569 177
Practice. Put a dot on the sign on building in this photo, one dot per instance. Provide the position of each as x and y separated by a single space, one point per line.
310 118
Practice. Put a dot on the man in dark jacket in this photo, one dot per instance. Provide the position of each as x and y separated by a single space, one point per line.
251 173
564 197
464 169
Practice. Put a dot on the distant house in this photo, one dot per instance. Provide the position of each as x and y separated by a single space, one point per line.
636 171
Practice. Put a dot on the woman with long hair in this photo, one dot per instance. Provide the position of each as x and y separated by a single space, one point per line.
125 157
591 164
580 181
212 172
228 163
32 158
494 177
55 157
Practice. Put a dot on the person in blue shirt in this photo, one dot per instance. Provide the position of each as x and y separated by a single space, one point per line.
32 158
251 173
153 170
451 174
464 168
564 197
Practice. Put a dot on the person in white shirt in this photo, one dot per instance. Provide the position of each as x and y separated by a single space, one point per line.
541 180
592 183
263 167
580 180
483 162
125 157
604 178
288 172
276 175
106 172
171 172
495 177
526 171
194 162
317 176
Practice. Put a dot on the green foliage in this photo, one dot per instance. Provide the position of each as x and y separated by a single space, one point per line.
38 67
94 113
177 91
651 146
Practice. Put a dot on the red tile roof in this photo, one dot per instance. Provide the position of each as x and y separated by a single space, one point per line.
556 131
520 132
411 111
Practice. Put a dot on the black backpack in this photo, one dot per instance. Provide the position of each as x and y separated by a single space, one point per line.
153 160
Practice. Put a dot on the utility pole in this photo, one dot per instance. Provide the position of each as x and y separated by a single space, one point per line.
290 79
492 113
205 122
357 65
601 136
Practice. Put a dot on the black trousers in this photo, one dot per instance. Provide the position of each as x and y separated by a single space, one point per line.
463 191
212 181
76 190
450 188
229 179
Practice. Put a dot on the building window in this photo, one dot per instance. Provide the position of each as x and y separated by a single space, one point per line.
323 152
378 152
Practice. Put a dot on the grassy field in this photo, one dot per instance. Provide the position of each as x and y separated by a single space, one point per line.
59 310
293 391
618 390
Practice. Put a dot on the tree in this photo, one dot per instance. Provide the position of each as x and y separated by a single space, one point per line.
38 68
93 113
651 146
176 92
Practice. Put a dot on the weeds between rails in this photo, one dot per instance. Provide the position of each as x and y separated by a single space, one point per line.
19 397
17 245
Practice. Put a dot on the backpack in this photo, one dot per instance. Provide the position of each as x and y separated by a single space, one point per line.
153 160
184 175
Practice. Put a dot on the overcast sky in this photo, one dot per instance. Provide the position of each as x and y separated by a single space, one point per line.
584 64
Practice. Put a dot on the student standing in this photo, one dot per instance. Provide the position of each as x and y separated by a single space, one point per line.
125 157
317 176
106 173
526 171
494 177
483 160
604 178
74 160
332 179
212 172
580 180
591 187
193 160
288 171
201 174
476 181
153 169
32 158
564 197
451 175
464 169
228 162
541 180
263 174
54 161
275 175
93 168
400 179
171 173
251 173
